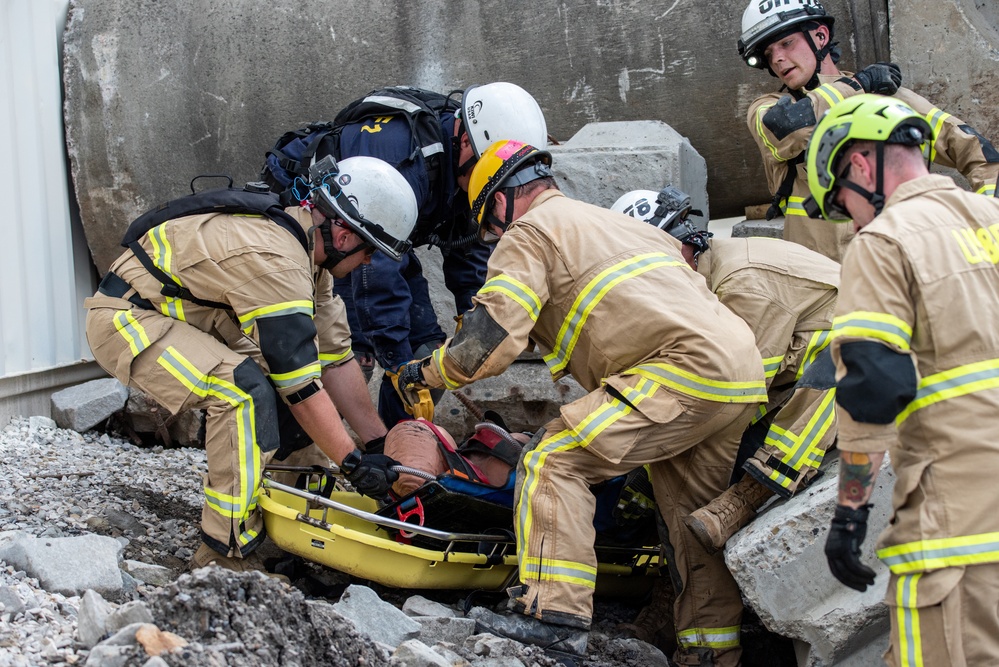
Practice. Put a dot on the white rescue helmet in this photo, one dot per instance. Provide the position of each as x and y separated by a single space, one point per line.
502 111
638 204
371 198
764 20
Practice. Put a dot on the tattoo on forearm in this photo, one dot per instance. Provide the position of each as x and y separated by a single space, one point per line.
855 478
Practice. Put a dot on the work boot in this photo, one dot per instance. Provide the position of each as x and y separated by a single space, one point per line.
554 638
654 624
206 556
720 519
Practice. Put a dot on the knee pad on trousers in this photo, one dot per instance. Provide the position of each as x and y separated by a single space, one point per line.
251 379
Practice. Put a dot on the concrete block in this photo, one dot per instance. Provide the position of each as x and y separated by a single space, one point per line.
603 161
69 565
773 229
444 629
524 395
84 406
417 605
145 415
378 619
779 563
949 52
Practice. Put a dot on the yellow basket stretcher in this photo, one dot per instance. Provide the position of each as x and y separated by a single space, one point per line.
344 532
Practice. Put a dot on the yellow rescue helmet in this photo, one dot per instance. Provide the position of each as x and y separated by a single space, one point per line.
505 164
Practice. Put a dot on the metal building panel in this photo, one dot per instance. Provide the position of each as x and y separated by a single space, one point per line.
43 277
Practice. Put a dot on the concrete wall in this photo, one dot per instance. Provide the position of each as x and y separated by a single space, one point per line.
158 92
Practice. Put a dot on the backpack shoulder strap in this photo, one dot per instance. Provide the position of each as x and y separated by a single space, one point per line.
225 200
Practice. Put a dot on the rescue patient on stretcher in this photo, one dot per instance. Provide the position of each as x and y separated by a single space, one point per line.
489 456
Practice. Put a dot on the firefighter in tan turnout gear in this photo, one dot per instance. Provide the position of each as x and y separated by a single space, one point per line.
916 348
793 40
674 379
786 294
231 311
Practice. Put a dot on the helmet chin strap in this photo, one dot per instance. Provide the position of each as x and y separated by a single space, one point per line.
333 256
820 55
507 214
876 198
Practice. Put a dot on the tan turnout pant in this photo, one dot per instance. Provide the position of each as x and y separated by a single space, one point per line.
183 368
690 445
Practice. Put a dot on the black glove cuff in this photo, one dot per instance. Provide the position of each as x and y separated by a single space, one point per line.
845 514
411 375
375 446
351 461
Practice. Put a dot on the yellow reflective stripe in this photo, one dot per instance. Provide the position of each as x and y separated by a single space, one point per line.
814 431
685 382
910 641
771 365
516 290
248 536
780 479
305 307
327 359
795 206
710 637
581 436
534 460
960 381
592 294
162 253
989 190
204 386
819 341
763 134
437 357
881 326
228 506
133 332
926 555
780 438
936 118
761 412
548 569
829 94
173 307
310 372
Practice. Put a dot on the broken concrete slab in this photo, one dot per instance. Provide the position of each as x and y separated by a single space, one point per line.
86 405
68 565
603 161
376 618
148 573
417 605
452 630
92 618
779 563
773 229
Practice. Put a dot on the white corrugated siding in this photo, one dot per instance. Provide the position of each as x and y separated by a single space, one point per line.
44 275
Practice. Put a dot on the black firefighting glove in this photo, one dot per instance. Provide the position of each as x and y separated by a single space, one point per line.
880 78
371 474
849 527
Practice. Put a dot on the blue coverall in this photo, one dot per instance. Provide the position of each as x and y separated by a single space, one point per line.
388 303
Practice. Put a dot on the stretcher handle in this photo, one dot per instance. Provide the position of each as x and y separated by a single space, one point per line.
381 520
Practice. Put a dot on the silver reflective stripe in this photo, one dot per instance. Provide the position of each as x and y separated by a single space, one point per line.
433 149
393 102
